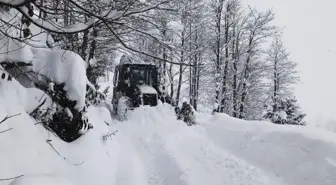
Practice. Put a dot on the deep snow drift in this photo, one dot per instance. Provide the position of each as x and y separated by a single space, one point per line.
28 149
152 147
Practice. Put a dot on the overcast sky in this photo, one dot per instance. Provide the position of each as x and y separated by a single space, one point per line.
310 36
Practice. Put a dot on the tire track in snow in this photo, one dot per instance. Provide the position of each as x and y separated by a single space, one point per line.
148 147
205 163
178 155
162 166
200 160
131 169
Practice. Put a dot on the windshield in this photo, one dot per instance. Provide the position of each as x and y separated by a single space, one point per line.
138 76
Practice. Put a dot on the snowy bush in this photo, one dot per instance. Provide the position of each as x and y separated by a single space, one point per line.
94 97
284 111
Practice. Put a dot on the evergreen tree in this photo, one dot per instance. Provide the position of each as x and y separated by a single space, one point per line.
284 111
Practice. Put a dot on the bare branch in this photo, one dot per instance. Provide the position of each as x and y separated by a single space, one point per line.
8 117
146 9
11 178
105 137
75 164
51 27
49 142
38 107
141 52
6 130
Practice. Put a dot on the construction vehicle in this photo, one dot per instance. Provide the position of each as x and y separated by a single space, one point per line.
135 84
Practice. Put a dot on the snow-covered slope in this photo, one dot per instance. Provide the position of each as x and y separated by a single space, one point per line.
297 155
152 147
28 149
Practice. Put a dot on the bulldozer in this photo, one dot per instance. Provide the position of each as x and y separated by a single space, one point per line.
136 84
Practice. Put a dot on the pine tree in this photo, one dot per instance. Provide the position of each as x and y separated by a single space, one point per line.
284 111
294 114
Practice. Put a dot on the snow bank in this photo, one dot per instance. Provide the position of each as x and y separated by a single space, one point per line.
63 67
29 149
296 154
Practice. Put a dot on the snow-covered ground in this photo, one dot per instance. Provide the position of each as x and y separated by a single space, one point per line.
152 147
297 155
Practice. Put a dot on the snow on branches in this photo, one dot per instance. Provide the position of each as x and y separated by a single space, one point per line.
284 111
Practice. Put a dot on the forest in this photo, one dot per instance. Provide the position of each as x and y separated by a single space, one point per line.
218 55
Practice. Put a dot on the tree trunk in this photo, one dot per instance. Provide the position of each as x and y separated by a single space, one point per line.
85 44
171 81
193 81
66 12
222 107
198 80
93 43
235 57
218 53
180 72
244 89
190 67
89 71
195 73
217 77
275 93
179 85
164 56
245 79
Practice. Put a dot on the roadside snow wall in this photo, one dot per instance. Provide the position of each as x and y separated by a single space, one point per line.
27 148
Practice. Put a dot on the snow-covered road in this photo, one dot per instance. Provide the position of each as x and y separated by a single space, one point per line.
153 148
165 151
227 151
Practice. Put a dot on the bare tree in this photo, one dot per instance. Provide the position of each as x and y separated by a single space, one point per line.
210 52
258 28
217 6
282 71
238 47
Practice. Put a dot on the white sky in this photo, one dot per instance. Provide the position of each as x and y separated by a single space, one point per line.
310 37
